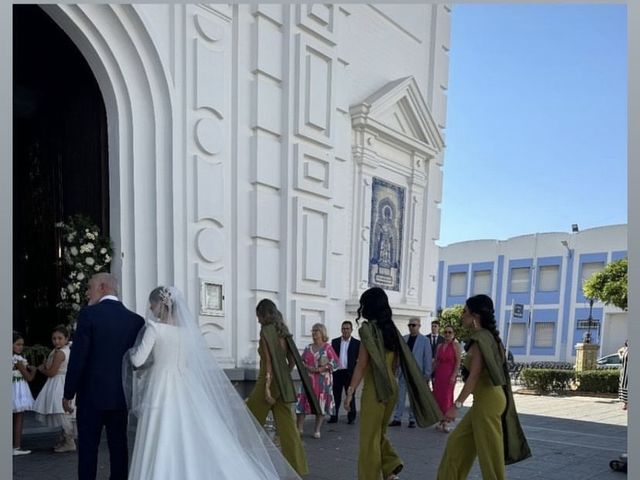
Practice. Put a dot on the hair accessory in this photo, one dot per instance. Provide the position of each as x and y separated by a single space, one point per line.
165 296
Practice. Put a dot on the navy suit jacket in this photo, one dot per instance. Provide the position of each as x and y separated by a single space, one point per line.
439 340
352 353
105 331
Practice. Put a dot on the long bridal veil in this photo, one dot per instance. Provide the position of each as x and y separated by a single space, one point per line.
199 369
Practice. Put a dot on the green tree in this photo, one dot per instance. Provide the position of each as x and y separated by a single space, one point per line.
452 316
609 285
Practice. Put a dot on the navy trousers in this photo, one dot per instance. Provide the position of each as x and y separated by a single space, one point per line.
341 381
90 422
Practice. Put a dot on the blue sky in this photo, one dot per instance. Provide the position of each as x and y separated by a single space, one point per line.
537 120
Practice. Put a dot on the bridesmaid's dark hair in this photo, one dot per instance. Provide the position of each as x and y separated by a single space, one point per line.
374 306
16 336
482 305
270 314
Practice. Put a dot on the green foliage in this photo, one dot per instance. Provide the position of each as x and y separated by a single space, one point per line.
36 354
452 316
599 381
610 285
544 380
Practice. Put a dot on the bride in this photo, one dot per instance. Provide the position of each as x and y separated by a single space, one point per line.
192 424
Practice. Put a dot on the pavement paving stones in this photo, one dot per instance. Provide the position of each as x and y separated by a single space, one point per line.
571 438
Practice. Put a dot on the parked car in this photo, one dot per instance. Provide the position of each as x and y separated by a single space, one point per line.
612 360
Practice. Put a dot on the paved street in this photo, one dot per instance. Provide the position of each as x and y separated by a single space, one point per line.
571 437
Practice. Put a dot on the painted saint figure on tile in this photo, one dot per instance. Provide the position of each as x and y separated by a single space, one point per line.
387 212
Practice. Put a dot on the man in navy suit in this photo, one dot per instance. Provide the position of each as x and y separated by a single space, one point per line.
421 349
435 338
347 348
105 331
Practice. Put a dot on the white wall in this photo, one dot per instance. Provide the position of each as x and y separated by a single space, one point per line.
231 151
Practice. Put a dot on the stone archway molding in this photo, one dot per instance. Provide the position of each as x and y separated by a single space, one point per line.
138 96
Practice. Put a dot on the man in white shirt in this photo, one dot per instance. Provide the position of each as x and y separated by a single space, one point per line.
347 348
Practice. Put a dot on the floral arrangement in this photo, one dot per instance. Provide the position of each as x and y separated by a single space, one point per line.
85 252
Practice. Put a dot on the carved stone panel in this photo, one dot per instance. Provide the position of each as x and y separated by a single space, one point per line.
267 56
265 268
319 19
266 158
312 246
313 172
315 97
268 98
307 314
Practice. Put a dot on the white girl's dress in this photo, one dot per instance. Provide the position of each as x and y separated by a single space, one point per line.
48 404
22 398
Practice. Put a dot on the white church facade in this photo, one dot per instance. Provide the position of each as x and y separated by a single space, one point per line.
285 151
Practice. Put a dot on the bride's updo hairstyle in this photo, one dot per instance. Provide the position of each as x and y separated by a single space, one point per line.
267 311
161 296
482 305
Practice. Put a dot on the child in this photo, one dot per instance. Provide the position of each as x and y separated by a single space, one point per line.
22 398
48 405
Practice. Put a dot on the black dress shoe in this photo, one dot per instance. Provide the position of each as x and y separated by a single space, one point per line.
412 424
350 421
395 423
333 420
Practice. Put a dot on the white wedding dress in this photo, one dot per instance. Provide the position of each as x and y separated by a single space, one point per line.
192 424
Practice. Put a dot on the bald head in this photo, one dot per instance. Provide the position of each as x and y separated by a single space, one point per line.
101 284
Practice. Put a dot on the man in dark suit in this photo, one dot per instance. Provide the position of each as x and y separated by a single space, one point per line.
347 348
105 331
435 338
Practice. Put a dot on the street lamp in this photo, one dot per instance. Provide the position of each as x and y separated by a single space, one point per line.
565 244
587 336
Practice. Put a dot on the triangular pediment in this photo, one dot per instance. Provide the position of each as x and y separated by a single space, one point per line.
399 110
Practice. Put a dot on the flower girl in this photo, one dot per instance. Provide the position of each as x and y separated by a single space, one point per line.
22 398
48 405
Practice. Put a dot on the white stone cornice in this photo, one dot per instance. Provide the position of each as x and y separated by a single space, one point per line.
398 114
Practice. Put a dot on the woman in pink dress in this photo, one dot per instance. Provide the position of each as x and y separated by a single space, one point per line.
321 360
446 366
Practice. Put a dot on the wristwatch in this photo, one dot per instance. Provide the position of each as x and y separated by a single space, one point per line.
458 404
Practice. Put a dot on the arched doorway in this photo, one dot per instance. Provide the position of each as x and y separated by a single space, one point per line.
60 161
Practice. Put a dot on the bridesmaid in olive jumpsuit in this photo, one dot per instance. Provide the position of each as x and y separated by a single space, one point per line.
274 390
481 433
382 350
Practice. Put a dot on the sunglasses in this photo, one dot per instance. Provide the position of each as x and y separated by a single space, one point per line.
448 332
413 324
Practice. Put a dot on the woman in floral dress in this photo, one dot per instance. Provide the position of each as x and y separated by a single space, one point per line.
321 360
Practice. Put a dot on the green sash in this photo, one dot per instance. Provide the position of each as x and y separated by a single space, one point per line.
422 403
282 372
516 447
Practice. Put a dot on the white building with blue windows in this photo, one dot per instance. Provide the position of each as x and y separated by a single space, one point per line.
544 272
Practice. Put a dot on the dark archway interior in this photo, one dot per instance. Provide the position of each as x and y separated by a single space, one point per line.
60 163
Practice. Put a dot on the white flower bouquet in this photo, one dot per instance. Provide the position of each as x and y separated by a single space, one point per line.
85 251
